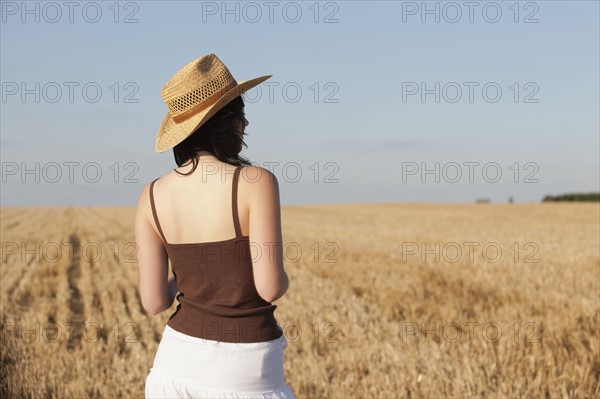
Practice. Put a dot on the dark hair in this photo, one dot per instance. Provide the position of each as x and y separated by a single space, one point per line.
218 135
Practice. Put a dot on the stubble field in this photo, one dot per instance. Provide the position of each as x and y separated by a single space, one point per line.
385 300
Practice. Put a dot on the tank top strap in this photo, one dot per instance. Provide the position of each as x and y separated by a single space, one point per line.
154 210
234 202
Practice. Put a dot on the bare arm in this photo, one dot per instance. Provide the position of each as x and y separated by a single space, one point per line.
157 290
265 235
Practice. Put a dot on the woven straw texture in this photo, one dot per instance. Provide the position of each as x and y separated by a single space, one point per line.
194 94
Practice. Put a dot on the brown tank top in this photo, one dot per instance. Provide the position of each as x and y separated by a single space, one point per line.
218 299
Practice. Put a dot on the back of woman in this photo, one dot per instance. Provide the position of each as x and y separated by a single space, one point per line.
216 218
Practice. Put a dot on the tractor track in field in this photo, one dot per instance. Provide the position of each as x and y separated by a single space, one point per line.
75 303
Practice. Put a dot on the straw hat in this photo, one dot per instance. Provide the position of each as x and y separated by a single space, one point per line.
194 94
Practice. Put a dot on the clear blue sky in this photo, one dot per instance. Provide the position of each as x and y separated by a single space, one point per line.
359 119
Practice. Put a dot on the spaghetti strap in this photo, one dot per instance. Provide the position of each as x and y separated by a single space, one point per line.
234 205
154 210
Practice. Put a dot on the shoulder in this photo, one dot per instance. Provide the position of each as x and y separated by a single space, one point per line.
145 191
143 202
151 186
258 178
260 184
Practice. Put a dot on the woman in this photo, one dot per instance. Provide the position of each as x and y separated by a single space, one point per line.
223 340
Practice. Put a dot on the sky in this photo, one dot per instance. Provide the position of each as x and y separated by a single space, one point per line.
369 102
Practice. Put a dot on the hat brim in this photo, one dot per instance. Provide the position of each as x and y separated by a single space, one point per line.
170 133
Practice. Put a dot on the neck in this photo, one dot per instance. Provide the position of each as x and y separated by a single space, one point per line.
205 155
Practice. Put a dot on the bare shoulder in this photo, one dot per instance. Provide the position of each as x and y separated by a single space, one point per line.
143 207
258 179
144 195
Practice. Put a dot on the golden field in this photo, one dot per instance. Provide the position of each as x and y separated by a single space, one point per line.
370 312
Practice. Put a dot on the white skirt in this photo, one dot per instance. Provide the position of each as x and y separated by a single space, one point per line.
191 367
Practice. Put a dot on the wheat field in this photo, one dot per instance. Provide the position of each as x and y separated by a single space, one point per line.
385 300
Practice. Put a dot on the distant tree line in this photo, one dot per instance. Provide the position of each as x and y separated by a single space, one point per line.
579 197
